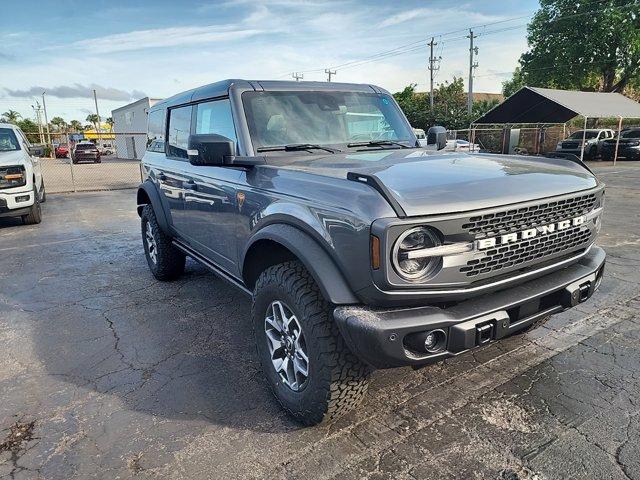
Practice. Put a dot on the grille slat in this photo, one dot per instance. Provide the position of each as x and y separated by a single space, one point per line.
514 220
522 253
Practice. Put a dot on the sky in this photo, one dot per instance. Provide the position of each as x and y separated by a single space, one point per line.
127 50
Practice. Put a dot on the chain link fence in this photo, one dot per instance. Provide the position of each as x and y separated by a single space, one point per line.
66 169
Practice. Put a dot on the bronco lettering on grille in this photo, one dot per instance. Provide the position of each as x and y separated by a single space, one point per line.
486 243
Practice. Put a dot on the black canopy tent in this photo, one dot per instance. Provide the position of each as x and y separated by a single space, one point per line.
532 105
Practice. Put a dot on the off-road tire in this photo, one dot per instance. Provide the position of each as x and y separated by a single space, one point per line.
593 153
337 379
170 261
35 212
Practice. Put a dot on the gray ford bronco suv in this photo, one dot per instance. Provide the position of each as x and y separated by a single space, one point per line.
360 249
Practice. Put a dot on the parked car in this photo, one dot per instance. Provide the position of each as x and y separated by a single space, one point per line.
628 147
86 152
593 138
459 145
105 148
359 253
21 184
62 151
419 133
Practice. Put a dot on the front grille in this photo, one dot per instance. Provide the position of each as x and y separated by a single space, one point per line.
571 145
526 251
517 219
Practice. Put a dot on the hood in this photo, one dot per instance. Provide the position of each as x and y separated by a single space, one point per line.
14 157
427 183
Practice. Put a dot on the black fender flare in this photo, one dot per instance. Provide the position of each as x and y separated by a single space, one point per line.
317 261
151 191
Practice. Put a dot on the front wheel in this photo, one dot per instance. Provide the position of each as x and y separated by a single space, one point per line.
35 212
165 261
306 362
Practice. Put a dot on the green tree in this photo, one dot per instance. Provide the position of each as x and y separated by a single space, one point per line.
59 124
449 106
587 45
94 120
30 128
75 125
11 116
109 121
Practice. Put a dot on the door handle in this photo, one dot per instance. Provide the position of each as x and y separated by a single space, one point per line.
162 177
190 185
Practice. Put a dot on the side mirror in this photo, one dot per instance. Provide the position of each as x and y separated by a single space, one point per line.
36 150
210 149
437 136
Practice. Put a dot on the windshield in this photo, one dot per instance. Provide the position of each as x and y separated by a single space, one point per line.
588 135
630 134
322 118
85 146
8 140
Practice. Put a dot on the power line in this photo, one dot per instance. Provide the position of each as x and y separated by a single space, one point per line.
419 44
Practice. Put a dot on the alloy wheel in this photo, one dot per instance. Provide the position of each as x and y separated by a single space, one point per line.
151 244
287 346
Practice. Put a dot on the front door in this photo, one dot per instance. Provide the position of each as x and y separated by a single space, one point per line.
210 203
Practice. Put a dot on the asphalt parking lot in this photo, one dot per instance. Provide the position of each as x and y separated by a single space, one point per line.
107 373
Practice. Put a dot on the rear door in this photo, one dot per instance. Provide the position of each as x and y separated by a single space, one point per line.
210 203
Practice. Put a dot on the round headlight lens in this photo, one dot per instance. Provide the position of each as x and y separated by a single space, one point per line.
415 239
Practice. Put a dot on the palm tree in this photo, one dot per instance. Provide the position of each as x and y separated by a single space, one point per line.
94 119
76 126
109 121
11 116
59 123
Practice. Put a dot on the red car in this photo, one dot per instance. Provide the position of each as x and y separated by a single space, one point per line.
62 151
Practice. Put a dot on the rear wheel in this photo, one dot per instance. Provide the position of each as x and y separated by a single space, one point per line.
305 360
165 261
35 212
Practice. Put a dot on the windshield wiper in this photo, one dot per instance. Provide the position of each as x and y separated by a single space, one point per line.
292 147
377 143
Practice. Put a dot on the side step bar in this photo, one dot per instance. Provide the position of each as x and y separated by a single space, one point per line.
214 268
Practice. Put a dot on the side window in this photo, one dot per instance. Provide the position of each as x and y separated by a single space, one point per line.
215 117
155 131
179 130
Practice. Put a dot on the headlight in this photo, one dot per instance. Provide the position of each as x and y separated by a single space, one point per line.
559 145
12 177
415 239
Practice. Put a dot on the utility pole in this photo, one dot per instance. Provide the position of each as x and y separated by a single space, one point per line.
472 65
297 76
46 123
39 118
329 72
432 69
95 99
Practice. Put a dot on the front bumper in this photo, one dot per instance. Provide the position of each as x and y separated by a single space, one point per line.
381 337
11 207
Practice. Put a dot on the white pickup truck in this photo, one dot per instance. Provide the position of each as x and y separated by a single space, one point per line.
21 184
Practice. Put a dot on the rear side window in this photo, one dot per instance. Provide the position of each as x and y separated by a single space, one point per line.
215 117
179 130
155 131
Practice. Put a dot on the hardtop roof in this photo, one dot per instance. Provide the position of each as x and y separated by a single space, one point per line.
222 88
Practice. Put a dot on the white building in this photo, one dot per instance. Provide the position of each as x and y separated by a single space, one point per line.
130 128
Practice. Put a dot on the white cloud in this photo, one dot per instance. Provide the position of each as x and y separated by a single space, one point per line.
163 37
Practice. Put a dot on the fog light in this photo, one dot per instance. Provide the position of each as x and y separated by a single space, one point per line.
430 340
22 198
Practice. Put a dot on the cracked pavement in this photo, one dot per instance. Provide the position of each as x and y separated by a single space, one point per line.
126 377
